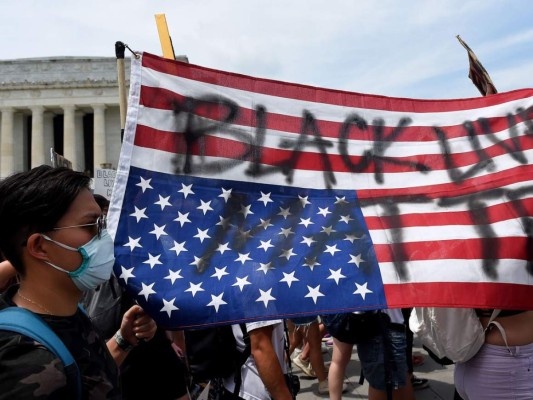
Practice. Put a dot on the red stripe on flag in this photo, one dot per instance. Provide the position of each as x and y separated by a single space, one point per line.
495 213
461 249
162 99
460 294
320 95
230 147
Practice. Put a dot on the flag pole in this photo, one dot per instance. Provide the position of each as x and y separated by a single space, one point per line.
477 73
164 36
121 76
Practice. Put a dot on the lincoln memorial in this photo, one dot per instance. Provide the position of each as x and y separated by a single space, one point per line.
70 104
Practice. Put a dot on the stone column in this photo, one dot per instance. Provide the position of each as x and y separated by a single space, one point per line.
80 143
37 136
70 142
48 134
7 139
100 147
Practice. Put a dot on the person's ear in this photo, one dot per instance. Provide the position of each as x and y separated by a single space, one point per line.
37 246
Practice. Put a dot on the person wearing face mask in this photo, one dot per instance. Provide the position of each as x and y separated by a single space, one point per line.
54 236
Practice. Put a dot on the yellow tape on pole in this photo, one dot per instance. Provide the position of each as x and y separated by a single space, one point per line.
164 36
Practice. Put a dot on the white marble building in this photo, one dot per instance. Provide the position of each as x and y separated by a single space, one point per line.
68 103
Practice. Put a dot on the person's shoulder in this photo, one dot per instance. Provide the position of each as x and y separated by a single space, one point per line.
14 344
27 367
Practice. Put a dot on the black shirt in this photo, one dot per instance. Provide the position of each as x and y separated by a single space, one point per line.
30 371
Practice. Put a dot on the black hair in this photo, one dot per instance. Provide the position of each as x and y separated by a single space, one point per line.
32 202
102 201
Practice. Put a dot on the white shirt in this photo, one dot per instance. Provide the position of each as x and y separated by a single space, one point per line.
252 387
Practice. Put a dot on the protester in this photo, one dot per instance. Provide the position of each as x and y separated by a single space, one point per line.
262 375
299 350
106 305
309 329
416 382
372 357
503 367
54 236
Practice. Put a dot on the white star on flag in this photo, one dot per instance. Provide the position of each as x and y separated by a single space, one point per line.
202 234
265 198
226 194
126 274
173 275
265 267
205 207
265 245
224 222
186 190
287 253
311 262
199 262
133 243
245 210
195 288
265 223
144 184
357 260
219 273
159 231
223 247
328 230
308 240
265 297
286 232
331 249
314 293
243 258
304 200
216 301
336 275
163 202
178 247
346 219
362 290
146 290
324 211
284 212
168 306
139 214
289 278
153 260
241 282
351 238
341 200
305 222
182 218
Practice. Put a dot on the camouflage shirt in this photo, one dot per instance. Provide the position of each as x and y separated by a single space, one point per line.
30 371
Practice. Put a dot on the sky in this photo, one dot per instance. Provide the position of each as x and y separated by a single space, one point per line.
396 48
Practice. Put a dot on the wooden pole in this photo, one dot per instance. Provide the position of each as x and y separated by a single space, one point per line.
164 36
119 51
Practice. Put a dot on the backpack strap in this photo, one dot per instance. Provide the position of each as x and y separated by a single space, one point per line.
242 357
27 323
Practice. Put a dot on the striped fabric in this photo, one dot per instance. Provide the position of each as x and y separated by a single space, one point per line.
437 194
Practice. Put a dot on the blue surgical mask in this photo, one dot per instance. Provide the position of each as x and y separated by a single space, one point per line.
98 258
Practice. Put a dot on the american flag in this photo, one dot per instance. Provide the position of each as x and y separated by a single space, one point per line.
477 73
239 199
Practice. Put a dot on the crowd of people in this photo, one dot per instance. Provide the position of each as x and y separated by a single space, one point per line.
57 254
